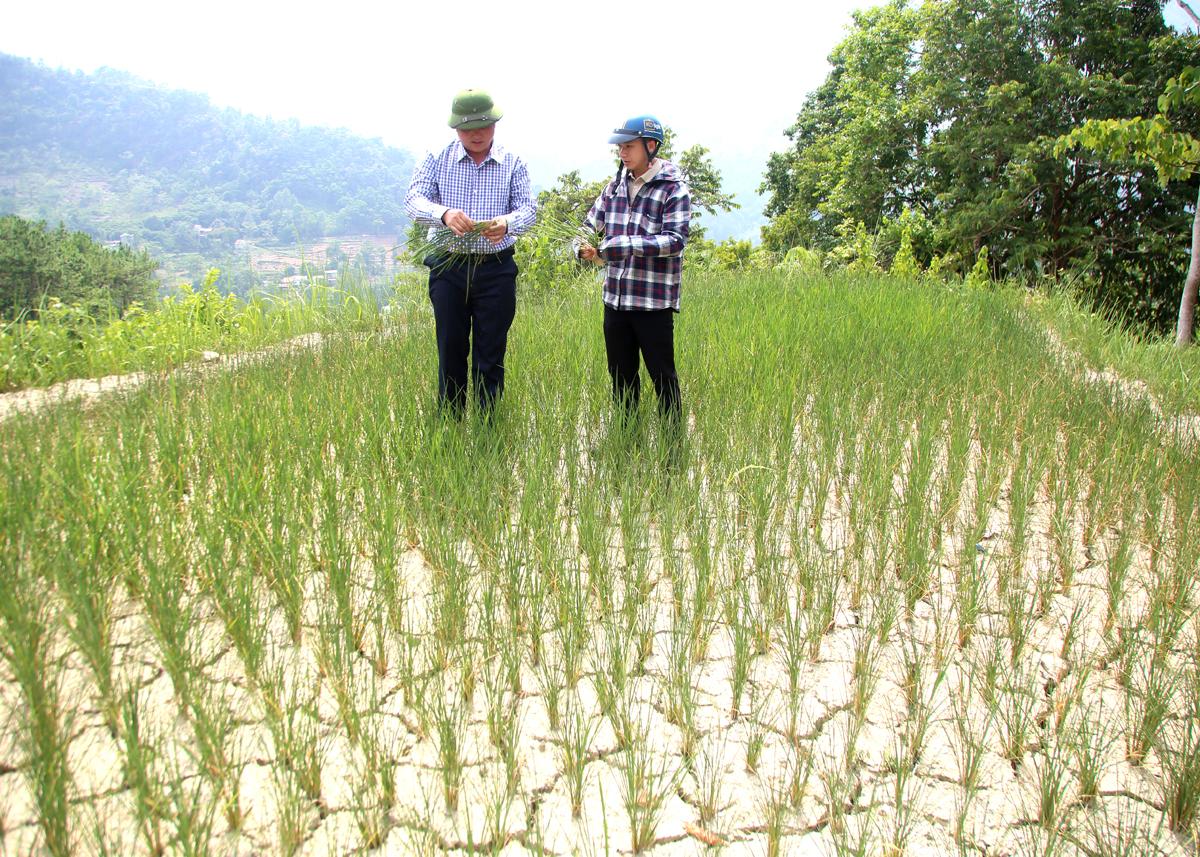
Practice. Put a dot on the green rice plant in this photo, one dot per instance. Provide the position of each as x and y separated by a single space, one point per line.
213 726
84 572
631 515
843 782
1016 706
578 733
297 513
970 749
919 682
741 634
708 775
1092 738
290 821
301 750
773 806
610 665
504 724
27 641
191 813
826 585
571 628
1066 473
169 606
1020 612
914 562
1126 832
336 666
905 800
646 781
552 683
795 651
237 600
1148 704
375 788
885 612
449 718
969 595
147 790
1052 781
865 673
336 556
757 727
1123 653
1024 476
1080 612
679 694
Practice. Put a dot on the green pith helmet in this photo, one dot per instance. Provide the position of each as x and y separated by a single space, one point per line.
473 108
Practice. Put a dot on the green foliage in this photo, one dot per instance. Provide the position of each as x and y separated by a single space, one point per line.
64 341
703 179
951 109
37 266
1174 154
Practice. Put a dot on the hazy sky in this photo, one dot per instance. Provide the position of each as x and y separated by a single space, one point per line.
730 75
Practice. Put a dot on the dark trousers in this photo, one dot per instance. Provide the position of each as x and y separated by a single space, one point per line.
650 334
472 298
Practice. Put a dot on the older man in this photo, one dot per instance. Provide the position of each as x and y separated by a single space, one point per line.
473 181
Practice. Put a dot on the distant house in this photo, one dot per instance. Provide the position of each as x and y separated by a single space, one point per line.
241 245
201 230
126 239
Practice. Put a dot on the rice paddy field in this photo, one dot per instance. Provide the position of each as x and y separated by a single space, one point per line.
914 583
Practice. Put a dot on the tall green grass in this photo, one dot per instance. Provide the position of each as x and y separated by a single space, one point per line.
908 549
61 342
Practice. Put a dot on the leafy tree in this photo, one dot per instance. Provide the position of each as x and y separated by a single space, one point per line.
703 179
950 111
1173 154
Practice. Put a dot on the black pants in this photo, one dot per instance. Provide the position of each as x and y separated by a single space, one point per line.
473 297
650 333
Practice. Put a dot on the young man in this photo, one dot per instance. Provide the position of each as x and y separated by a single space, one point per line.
643 216
473 180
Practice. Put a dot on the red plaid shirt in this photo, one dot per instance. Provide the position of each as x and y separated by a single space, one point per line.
643 242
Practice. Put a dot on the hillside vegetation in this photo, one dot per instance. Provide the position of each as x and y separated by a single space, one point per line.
110 154
918 586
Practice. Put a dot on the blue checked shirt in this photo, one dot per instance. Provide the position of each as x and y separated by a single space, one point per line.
499 187
643 240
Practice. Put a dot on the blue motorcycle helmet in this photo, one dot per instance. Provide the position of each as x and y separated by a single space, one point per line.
644 128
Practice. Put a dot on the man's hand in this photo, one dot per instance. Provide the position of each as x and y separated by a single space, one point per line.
496 232
458 221
587 252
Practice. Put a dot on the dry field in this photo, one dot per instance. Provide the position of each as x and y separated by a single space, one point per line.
943 608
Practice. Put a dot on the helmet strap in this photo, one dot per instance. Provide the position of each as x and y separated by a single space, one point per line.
650 155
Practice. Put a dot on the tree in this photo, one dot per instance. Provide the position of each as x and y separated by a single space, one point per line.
703 179
37 265
1174 155
949 111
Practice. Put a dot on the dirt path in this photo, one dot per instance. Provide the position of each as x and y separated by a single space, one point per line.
34 400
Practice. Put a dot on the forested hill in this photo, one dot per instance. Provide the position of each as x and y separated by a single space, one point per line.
112 154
